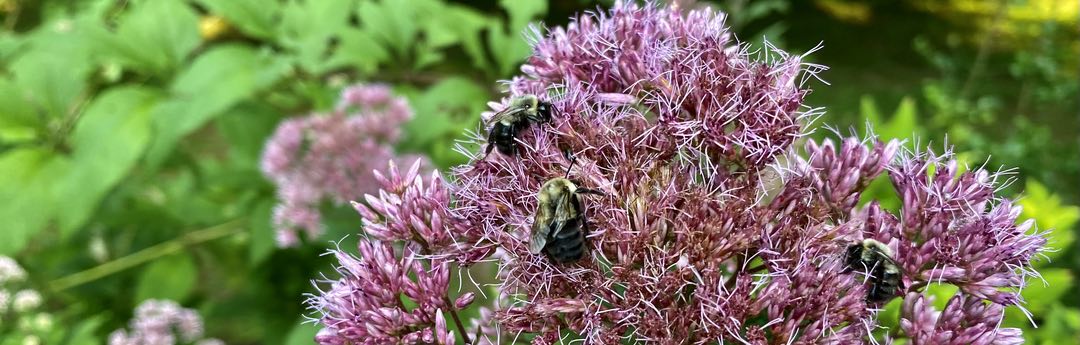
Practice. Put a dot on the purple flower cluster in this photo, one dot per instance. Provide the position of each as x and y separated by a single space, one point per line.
331 156
952 230
719 223
364 305
714 227
155 322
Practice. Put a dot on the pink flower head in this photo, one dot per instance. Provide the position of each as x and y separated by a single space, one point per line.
331 157
712 226
365 305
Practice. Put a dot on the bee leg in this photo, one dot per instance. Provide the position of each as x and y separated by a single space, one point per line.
590 191
584 225
490 143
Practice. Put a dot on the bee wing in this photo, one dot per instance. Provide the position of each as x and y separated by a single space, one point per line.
895 263
563 210
539 236
506 114
542 230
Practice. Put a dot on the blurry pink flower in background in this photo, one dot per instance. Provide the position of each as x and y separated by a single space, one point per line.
331 157
721 222
162 322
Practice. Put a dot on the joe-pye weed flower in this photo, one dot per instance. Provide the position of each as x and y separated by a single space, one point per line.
365 304
331 157
715 227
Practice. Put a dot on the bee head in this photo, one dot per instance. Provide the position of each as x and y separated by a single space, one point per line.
871 245
543 111
558 185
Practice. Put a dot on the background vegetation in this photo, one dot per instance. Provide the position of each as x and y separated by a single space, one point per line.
130 130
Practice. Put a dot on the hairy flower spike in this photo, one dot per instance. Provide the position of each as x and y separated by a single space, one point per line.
364 305
331 157
713 227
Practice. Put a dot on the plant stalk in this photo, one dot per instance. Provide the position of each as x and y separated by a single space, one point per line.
146 255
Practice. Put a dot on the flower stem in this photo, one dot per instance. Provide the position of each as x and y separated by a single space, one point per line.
446 299
457 321
146 255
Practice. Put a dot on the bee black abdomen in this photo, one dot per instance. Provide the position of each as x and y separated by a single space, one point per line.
503 136
568 245
885 288
883 276
882 292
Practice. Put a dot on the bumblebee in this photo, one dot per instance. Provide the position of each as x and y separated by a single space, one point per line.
559 225
516 117
876 260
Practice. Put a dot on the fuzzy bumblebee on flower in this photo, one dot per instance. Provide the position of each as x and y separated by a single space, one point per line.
713 220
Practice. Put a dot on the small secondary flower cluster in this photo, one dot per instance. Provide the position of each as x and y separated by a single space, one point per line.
364 305
21 307
154 323
331 156
715 226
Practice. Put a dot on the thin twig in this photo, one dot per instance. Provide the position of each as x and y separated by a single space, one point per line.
146 255
446 299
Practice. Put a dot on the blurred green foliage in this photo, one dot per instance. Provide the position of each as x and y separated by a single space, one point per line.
131 130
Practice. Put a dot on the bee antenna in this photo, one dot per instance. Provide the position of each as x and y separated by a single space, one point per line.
573 159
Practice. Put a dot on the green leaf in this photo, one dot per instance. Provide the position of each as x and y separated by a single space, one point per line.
941 294
19 120
1060 326
302 334
460 25
262 232
902 125
392 23
523 11
1050 214
426 55
442 113
247 126
28 183
869 110
10 43
171 277
107 142
155 36
1039 296
308 27
508 40
52 69
358 49
253 17
46 186
216 81
83 332
904 122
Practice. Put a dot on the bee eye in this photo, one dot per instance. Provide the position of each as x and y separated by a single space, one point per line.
544 109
